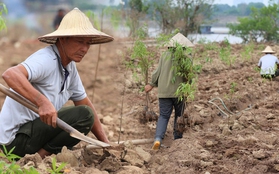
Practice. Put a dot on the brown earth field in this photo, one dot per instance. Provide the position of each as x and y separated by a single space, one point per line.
231 128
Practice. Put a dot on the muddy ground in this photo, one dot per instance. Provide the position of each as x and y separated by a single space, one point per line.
231 129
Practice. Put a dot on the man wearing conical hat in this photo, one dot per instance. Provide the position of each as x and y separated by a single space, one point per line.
162 78
268 64
49 78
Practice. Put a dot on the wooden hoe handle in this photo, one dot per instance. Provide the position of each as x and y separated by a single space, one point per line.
60 123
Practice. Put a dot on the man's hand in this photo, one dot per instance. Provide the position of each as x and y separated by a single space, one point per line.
148 88
48 114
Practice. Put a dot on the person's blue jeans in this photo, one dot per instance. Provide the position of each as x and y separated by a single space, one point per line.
166 106
33 136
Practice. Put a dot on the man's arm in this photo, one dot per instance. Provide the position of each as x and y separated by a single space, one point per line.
97 128
17 78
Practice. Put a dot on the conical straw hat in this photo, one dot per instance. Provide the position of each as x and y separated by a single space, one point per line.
180 39
268 50
76 24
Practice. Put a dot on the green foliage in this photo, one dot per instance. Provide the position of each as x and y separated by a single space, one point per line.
257 69
210 46
6 168
96 23
187 15
243 29
182 62
137 11
186 91
203 51
3 9
115 15
55 169
260 26
183 66
31 170
163 39
250 79
12 167
141 57
138 5
240 10
247 50
232 90
225 53
9 154
267 76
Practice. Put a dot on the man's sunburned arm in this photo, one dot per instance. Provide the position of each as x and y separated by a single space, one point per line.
17 78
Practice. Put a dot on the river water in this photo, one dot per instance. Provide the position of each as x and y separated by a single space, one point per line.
219 34
196 38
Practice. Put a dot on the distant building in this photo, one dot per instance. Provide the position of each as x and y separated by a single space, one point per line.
205 29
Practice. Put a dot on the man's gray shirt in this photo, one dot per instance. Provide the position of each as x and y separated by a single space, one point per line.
46 74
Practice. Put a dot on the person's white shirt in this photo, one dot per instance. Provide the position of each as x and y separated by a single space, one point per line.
46 74
268 64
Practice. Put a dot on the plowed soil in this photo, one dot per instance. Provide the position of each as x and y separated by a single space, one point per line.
232 124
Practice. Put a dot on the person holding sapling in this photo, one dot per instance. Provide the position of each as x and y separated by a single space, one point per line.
268 64
166 78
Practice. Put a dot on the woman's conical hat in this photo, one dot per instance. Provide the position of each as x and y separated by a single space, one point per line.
180 39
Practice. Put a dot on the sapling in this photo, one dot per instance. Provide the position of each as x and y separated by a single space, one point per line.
141 58
12 166
3 10
231 95
54 169
247 50
184 66
225 53
233 88
9 154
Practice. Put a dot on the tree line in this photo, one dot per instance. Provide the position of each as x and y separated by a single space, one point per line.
242 9
255 20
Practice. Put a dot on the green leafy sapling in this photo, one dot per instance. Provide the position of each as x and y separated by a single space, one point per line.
141 58
7 168
9 154
183 66
3 10
247 50
56 170
91 15
225 53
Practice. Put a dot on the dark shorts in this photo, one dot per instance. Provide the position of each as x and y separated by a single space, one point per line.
33 136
